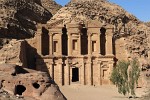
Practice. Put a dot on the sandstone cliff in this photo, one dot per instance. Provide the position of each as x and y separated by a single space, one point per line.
51 6
13 53
148 24
27 84
18 18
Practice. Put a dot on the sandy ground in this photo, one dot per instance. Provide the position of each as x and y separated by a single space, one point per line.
79 92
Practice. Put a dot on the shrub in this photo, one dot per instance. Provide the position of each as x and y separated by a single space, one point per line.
125 76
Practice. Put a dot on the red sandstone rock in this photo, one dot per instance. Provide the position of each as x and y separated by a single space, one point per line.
28 83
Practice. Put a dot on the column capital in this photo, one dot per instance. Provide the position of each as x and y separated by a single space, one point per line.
69 34
111 62
89 34
89 62
39 34
89 43
50 34
109 37
99 62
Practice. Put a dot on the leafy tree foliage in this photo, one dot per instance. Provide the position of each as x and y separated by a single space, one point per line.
125 76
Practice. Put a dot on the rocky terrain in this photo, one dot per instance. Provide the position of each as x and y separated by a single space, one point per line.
51 6
19 17
148 24
27 83
13 53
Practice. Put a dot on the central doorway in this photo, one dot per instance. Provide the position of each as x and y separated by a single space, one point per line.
75 74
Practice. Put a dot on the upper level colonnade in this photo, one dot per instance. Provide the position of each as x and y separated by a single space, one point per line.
75 39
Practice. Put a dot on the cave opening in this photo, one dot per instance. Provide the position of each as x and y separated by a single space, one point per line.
20 89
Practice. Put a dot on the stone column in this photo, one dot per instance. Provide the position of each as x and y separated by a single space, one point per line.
89 44
79 44
39 39
109 49
111 66
69 45
39 44
89 72
70 68
82 74
60 81
60 44
50 68
50 44
99 73
67 74
98 44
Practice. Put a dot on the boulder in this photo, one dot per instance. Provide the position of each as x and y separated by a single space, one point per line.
19 81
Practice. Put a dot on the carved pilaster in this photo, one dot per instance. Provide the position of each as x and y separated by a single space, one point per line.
89 66
79 45
60 44
98 44
69 45
82 73
109 49
51 69
89 44
39 44
67 73
60 72
51 44
111 66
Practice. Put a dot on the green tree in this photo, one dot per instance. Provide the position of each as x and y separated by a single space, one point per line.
125 76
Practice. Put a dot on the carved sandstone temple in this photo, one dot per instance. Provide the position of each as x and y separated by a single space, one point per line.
76 53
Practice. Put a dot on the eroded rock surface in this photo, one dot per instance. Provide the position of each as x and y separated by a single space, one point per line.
148 24
19 17
13 53
51 6
19 81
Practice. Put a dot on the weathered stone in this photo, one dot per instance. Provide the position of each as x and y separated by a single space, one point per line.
18 18
13 53
28 83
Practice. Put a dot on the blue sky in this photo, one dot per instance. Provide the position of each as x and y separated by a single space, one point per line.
139 8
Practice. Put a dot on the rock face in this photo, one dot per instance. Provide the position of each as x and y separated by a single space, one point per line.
148 24
51 6
28 83
19 17
13 53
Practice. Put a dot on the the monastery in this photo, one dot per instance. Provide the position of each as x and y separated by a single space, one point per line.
76 52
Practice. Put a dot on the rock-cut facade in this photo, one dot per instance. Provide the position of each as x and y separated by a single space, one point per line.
76 52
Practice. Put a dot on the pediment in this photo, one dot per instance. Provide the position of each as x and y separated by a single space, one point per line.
94 24
56 24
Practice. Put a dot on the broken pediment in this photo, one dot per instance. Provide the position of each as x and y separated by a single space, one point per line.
94 24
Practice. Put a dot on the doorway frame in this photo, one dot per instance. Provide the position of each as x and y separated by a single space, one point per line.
79 72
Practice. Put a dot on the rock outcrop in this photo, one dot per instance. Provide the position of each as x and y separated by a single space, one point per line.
19 81
51 6
13 53
148 24
18 18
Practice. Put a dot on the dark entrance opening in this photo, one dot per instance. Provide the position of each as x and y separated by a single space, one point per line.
75 74
45 41
84 41
103 41
64 41
20 89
